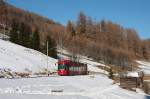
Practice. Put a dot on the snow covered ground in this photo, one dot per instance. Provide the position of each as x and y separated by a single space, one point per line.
144 66
16 58
21 59
72 87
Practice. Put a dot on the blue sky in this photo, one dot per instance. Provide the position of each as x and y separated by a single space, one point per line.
129 13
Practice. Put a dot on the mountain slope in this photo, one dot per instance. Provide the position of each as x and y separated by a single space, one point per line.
10 14
21 59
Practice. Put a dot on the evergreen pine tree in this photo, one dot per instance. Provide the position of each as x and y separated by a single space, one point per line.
14 33
35 40
111 76
52 50
24 35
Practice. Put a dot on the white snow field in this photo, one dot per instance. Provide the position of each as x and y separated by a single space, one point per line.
67 87
144 66
21 59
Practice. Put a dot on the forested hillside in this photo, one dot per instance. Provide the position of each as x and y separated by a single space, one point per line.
107 41
10 15
28 29
101 40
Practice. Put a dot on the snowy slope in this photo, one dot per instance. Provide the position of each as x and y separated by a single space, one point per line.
144 66
93 66
21 59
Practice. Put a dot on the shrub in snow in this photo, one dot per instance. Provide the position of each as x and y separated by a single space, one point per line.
111 76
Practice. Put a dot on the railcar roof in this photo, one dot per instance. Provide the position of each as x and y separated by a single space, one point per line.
70 63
